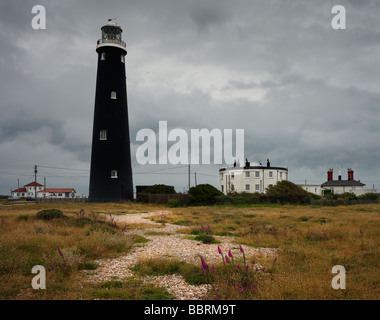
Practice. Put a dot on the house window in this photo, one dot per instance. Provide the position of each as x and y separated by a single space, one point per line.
247 174
122 58
103 135
281 175
222 188
113 95
247 187
114 174
221 176
59 194
270 174
103 56
257 174
257 187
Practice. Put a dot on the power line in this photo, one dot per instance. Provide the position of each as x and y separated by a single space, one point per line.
64 168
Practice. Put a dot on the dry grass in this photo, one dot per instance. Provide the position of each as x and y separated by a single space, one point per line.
311 240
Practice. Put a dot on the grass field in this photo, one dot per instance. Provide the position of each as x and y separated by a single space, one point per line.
310 240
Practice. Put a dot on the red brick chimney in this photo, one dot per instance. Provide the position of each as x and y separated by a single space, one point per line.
350 173
330 174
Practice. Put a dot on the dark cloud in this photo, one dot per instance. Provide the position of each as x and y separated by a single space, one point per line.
305 94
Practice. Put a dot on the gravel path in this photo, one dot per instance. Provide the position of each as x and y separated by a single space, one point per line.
171 246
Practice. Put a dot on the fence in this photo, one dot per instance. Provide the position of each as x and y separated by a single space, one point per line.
43 200
161 198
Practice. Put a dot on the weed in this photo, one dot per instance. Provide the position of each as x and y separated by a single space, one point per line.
49 214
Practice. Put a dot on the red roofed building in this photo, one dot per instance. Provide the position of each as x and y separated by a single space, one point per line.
56 193
30 189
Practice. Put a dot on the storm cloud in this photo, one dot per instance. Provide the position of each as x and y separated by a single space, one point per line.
306 95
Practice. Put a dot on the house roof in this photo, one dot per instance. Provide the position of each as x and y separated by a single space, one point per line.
57 190
342 183
19 190
32 184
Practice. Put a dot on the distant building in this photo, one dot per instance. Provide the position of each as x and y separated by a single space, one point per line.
30 189
338 186
313 188
253 177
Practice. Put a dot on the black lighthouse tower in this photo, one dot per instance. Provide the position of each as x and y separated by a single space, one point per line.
111 171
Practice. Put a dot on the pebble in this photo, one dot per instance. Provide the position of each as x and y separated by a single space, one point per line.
171 246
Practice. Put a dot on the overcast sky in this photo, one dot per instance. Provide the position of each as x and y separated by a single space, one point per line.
306 95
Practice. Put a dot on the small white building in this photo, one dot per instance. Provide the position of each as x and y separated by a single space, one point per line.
57 193
30 189
312 188
253 177
339 186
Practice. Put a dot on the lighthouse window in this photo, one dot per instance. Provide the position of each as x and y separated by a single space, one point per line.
103 135
114 174
247 174
257 174
113 95
103 56
257 187
247 187
122 58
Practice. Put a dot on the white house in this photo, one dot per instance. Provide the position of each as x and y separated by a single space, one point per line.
60 193
339 186
253 177
30 189
313 188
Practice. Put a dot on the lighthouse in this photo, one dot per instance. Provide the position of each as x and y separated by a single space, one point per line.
111 170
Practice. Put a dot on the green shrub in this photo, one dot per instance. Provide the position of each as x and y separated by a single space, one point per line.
369 196
206 238
204 194
50 214
89 266
287 192
159 189
82 221
193 275
175 203
158 267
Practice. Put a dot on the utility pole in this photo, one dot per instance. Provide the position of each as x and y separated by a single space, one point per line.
35 183
44 187
18 183
189 176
